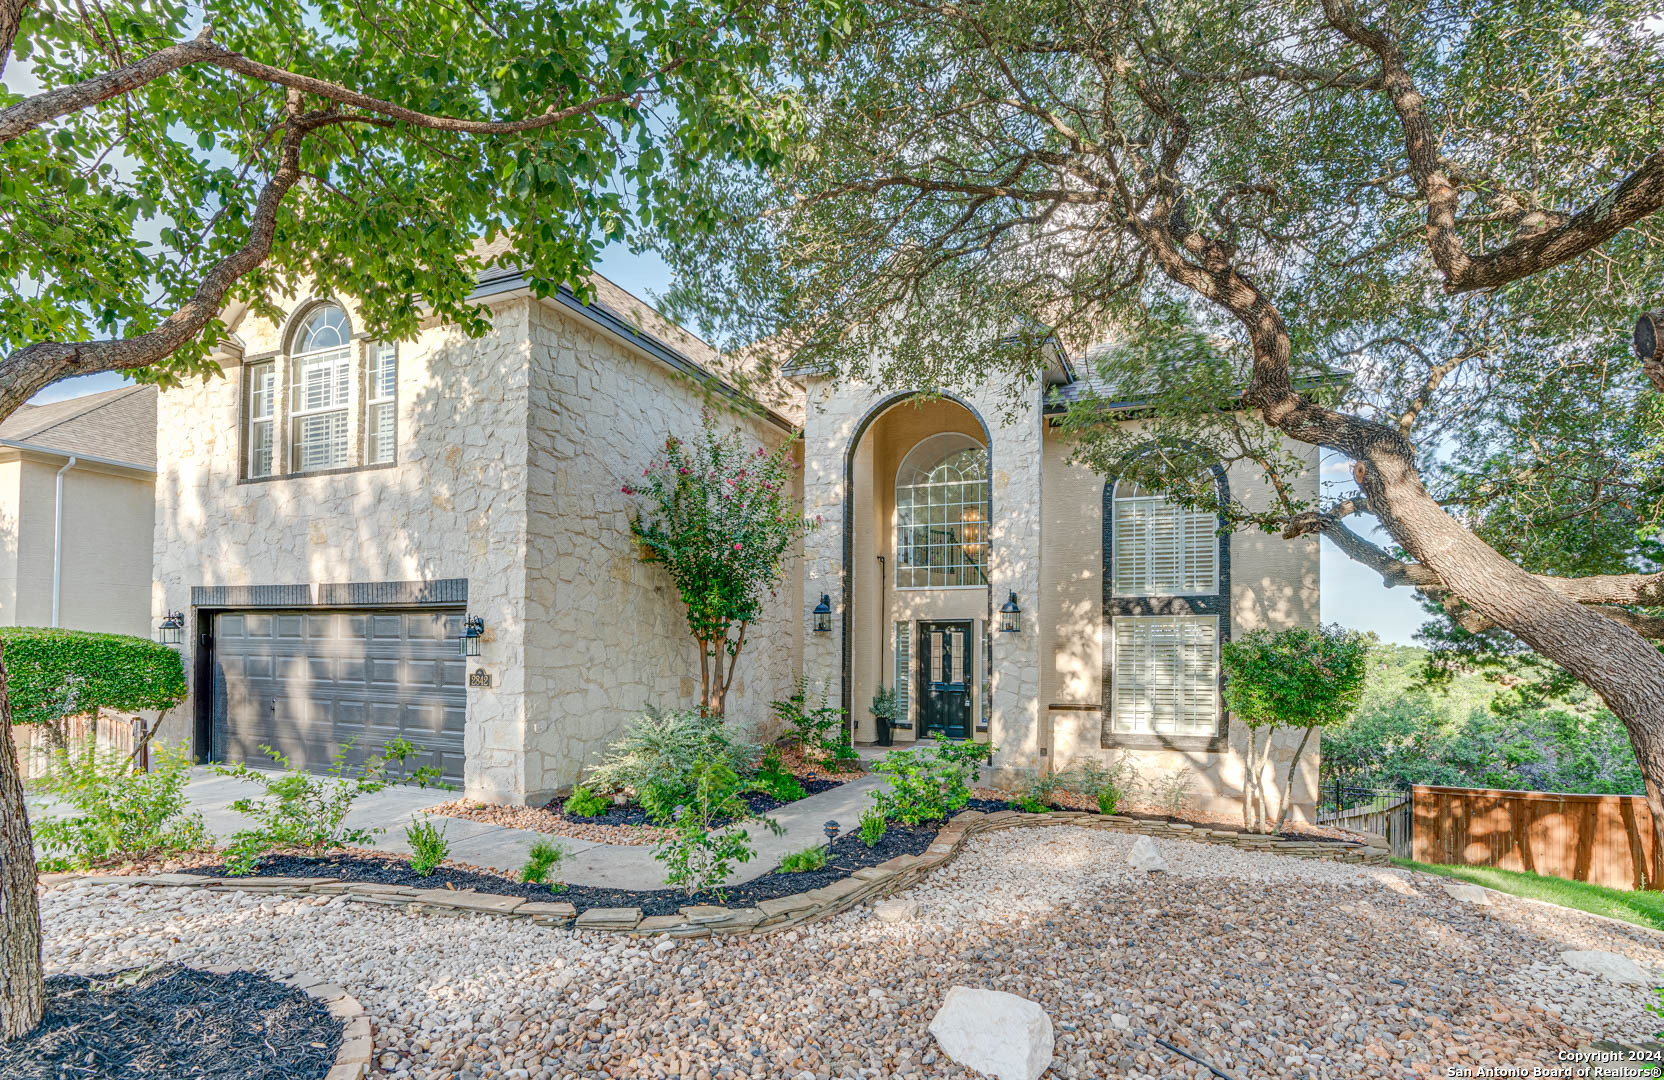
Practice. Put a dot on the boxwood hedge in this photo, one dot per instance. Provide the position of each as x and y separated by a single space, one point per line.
52 674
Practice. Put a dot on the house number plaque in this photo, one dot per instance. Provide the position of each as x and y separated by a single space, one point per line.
480 678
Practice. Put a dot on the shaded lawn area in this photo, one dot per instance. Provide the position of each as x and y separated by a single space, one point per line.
1641 908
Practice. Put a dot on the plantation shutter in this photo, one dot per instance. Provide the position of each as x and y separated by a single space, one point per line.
1162 549
1166 675
904 672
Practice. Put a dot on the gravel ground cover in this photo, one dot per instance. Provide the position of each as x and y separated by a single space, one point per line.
627 824
990 800
1266 966
848 855
175 1022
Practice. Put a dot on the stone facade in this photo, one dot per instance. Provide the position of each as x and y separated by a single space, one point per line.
511 448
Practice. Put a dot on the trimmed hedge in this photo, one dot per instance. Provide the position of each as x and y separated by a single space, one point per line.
52 674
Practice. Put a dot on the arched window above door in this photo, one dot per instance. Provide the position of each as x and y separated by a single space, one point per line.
942 514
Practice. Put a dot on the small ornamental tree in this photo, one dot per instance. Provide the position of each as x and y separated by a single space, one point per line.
719 518
1298 678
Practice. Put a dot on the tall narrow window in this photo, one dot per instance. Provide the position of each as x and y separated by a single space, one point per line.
261 410
1166 675
904 672
1161 548
941 510
381 423
321 362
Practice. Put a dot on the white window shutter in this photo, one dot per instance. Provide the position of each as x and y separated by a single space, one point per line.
904 671
1166 674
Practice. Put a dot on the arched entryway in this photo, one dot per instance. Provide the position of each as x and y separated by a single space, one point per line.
916 599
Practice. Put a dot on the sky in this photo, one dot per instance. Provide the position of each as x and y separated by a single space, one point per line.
1352 595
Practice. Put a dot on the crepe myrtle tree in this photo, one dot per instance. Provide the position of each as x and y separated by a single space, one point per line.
162 163
1411 236
721 520
1305 679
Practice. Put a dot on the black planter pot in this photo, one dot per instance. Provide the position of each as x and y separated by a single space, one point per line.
886 731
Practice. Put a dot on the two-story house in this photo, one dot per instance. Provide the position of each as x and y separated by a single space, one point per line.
335 512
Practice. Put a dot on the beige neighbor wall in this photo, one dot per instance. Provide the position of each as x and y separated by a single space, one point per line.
1274 584
108 514
835 411
609 631
453 506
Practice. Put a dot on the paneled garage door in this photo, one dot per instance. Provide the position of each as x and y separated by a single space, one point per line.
311 684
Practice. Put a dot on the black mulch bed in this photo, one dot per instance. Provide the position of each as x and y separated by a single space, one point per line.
849 854
631 814
176 1022
994 806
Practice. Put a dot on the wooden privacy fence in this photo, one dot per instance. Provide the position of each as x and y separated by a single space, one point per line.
108 730
1602 839
1387 817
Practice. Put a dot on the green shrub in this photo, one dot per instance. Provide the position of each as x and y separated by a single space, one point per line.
299 810
584 803
928 784
810 858
543 857
1110 783
697 854
811 725
773 779
54 674
1037 794
428 846
873 826
397 752
118 813
663 748
845 759
661 800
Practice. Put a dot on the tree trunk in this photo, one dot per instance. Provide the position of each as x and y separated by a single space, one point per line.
1288 788
1622 667
22 993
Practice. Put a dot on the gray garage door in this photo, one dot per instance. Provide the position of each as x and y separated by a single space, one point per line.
311 684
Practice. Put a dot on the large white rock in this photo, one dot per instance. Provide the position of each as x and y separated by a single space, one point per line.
1146 856
997 1034
896 910
1610 965
1470 894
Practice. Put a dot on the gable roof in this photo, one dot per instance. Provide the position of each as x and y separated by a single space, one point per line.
117 426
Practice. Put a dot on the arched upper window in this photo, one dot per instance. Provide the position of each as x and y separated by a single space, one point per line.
942 514
321 369
1162 548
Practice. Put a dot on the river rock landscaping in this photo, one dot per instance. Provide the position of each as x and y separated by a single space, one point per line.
1263 965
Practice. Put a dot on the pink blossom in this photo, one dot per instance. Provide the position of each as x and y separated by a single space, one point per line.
627 489
736 546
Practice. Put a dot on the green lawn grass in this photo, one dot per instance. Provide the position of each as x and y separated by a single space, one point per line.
1641 908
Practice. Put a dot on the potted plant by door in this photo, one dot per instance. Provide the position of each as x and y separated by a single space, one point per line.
884 708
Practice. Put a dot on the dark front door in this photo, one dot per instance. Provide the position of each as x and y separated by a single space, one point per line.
945 671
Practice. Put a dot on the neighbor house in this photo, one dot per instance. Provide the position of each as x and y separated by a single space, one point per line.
334 512
77 481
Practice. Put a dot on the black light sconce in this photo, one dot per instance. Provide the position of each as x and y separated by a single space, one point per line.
823 615
173 628
473 628
1011 616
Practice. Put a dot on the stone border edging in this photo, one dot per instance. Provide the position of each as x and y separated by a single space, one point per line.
768 916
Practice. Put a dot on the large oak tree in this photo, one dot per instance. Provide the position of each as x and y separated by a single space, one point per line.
1413 234
171 159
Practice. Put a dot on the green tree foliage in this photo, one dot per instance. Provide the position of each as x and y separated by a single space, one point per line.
720 519
1295 678
1466 731
178 157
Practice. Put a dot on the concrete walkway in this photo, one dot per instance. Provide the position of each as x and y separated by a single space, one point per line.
616 866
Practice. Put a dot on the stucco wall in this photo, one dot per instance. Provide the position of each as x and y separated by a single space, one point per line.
616 634
454 505
1274 584
107 520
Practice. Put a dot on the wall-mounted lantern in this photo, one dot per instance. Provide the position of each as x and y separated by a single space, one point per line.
1011 616
823 615
173 628
473 628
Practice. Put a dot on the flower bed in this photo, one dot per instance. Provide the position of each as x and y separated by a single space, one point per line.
175 1021
847 856
626 825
